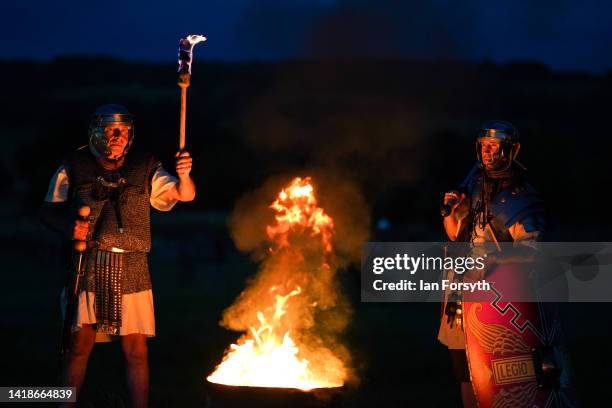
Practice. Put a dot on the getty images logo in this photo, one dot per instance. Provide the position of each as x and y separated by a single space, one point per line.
411 264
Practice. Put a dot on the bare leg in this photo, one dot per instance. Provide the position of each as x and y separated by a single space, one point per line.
75 364
467 395
136 358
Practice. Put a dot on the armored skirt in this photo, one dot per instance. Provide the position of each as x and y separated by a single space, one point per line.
136 309
124 304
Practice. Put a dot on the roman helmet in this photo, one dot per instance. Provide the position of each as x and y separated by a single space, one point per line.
110 114
508 136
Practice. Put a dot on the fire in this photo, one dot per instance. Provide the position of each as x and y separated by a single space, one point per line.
296 207
280 347
267 357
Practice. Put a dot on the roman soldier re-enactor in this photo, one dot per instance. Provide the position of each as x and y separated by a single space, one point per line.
493 204
119 186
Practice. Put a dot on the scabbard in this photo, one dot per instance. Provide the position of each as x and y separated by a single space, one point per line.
71 293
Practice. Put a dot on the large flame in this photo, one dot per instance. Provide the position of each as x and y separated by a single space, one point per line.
296 207
273 352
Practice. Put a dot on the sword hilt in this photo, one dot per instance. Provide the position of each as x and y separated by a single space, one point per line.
83 213
72 285
79 247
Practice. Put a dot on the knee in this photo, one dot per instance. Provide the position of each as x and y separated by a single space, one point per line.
136 355
135 349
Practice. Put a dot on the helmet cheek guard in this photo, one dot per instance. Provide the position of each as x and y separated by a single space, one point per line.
105 115
98 143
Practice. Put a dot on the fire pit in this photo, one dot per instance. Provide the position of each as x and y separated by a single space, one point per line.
229 396
287 356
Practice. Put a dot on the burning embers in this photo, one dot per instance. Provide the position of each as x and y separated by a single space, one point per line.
292 311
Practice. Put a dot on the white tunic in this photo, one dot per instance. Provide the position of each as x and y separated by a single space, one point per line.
137 313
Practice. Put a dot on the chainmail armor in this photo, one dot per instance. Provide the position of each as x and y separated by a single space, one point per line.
133 201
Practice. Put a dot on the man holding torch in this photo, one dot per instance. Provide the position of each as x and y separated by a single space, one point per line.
117 187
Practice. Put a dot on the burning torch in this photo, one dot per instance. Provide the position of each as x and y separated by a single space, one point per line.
185 55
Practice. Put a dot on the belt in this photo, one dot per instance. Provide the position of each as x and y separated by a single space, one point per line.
96 245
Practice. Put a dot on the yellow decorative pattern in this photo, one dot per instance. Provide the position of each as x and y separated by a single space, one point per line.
494 338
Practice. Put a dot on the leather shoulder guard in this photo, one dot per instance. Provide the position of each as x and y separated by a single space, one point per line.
520 203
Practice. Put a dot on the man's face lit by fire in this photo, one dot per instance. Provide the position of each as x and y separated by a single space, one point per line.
117 136
489 146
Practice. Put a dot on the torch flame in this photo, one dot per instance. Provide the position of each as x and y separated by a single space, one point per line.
269 354
195 38
186 52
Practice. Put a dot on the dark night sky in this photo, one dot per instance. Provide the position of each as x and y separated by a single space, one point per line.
564 34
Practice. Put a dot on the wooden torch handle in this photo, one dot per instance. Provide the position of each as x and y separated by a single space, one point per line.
183 83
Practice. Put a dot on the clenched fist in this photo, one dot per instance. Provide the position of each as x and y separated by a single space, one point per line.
453 199
183 163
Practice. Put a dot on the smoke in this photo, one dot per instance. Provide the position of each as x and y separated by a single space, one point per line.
297 259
